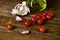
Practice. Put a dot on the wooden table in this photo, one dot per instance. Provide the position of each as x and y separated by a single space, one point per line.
52 26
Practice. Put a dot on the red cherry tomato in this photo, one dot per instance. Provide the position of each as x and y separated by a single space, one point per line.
10 26
51 13
44 18
27 24
49 17
40 22
44 14
33 19
37 16
42 29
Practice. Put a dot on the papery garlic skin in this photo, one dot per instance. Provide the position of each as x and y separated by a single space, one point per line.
14 11
21 9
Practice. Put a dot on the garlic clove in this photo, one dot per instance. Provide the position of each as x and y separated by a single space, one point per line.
25 32
18 18
14 11
25 13
20 9
17 6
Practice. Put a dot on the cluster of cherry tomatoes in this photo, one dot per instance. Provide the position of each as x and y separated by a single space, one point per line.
39 19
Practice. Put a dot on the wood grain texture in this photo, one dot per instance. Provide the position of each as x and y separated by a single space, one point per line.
53 29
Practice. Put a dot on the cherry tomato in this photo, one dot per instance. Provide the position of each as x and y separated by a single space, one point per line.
44 14
37 16
44 18
40 22
49 17
42 29
27 24
33 19
51 13
10 26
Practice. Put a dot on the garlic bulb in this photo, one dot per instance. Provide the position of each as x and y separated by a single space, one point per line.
21 9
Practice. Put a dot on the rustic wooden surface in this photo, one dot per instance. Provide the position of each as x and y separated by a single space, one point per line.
52 26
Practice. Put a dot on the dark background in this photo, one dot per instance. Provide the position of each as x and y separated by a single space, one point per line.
55 4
